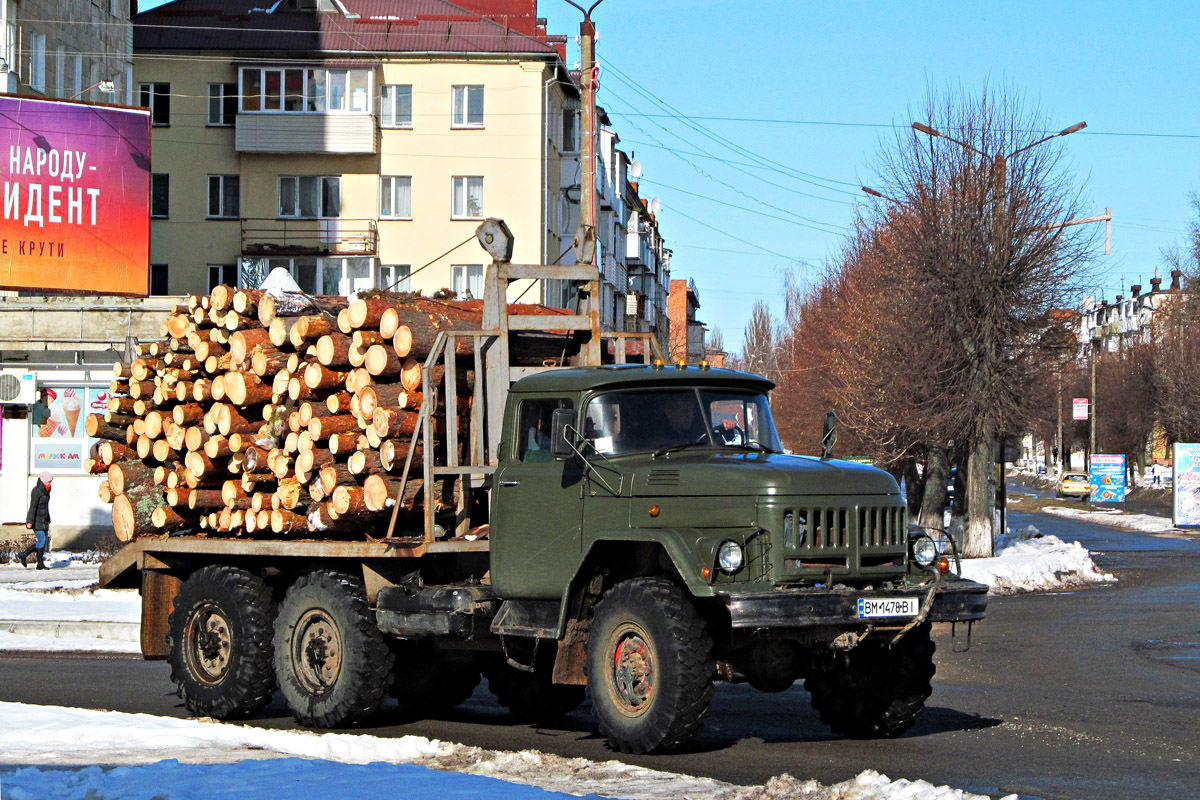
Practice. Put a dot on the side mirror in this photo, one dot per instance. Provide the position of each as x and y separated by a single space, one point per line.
560 447
829 435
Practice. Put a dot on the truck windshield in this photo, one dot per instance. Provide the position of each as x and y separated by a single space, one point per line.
654 420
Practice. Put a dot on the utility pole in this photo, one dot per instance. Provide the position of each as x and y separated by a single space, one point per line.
587 178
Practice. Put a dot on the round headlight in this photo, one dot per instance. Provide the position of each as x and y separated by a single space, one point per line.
924 551
730 557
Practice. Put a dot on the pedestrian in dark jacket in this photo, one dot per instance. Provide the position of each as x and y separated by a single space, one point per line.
38 519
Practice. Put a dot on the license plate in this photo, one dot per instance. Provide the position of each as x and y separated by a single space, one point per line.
888 607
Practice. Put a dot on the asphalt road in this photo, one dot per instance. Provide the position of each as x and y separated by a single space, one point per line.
1088 694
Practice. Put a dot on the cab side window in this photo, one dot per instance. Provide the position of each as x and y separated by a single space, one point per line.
533 443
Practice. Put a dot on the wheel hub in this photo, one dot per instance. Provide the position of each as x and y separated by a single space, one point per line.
317 651
634 678
208 642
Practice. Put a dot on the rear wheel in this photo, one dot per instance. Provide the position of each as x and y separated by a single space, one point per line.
333 664
876 690
220 637
649 666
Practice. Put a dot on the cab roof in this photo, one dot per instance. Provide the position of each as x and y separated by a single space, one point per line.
578 379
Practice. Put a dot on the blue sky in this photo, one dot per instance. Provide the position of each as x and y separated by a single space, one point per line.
744 200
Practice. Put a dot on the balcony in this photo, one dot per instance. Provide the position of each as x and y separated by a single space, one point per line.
320 237
335 134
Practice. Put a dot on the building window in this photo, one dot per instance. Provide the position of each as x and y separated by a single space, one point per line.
395 106
309 196
77 74
394 277
160 195
570 130
223 196
305 91
114 7
222 274
37 61
395 197
346 275
222 103
467 281
158 279
157 98
468 107
468 197
60 72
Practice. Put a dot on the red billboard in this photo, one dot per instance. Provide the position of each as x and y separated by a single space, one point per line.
75 196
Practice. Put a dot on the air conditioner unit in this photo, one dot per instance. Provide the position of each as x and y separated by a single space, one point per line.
17 387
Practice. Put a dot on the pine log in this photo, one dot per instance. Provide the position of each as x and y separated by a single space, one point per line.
234 495
245 301
205 499
287 493
217 390
392 453
309 461
165 518
141 389
94 466
333 350
343 322
379 493
309 328
242 389
364 462
318 376
131 513
357 379
322 428
230 420
382 361
221 297
162 451
120 405
217 446
333 475
179 496
266 361
390 423
200 464
342 443
143 369
105 492
348 500
187 414
144 447
285 522
338 402
125 475
387 394
364 313
174 475
95 427
310 410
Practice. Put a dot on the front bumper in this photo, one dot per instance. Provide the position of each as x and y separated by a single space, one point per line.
793 609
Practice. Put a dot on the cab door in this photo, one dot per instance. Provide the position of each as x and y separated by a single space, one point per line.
537 509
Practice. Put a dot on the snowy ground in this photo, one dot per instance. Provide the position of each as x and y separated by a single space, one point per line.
1027 561
344 766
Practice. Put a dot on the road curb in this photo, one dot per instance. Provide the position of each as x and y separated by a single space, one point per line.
73 629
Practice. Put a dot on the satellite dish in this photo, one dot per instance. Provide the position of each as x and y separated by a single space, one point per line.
654 205
635 170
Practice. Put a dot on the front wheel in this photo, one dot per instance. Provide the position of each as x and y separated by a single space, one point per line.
876 690
649 666
220 638
333 664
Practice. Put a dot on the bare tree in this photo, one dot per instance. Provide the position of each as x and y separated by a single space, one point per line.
980 234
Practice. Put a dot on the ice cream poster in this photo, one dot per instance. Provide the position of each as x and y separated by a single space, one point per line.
1107 474
1187 485
60 439
66 418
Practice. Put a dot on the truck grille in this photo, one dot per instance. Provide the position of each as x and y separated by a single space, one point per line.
860 540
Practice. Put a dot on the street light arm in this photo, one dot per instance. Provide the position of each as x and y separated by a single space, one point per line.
1078 126
880 195
587 12
917 126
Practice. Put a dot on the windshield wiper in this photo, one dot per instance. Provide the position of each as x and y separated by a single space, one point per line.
755 446
683 446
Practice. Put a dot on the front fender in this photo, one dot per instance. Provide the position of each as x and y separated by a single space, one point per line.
684 548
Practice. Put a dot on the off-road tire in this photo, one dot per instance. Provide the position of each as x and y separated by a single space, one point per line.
533 696
649 666
873 691
219 633
333 665
425 681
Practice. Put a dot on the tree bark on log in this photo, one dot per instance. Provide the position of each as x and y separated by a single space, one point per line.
97 428
131 511
124 475
379 493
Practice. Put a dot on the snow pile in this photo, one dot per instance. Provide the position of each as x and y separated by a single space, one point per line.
53 601
1146 523
1027 561
393 767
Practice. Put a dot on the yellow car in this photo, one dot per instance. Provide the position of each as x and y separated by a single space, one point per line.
1074 484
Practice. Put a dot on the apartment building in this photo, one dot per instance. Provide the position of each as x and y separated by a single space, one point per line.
1127 321
357 143
67 48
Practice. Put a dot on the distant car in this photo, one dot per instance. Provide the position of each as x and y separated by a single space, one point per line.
1074 484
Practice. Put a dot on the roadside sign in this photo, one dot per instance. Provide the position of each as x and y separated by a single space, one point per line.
1107 476
1079 408
1186 486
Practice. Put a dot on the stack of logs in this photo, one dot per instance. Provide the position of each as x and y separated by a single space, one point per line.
267 416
